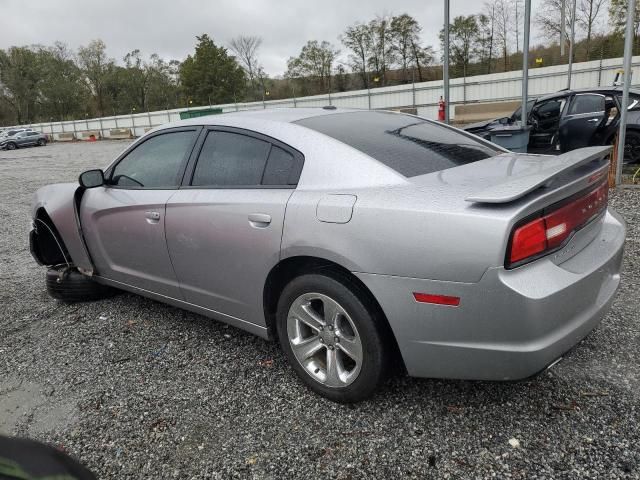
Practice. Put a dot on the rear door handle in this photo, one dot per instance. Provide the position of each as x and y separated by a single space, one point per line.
594 120
259 220
152 217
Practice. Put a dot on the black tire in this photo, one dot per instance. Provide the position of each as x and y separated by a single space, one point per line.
42 142
69 285
11 146
631 147
375 352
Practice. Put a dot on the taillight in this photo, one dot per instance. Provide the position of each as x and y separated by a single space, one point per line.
552 228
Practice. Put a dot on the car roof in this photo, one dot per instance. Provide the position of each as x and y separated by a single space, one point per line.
602 90
278 115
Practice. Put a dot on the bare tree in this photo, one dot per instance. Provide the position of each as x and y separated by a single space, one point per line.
503 19
549 20
517 7
485 40
405 34
587 18
246 50
357 38
382 52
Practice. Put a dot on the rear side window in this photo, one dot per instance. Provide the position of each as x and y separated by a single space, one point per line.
587 104
279 167
156 163
231 159
409 145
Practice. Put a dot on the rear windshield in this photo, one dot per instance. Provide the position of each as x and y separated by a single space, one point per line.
410 145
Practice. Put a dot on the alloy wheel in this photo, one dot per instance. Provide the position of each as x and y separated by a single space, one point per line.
324 340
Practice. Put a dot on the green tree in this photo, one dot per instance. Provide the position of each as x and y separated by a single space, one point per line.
211 75
315 63
20 78
618 17
463 36
63 93
97 68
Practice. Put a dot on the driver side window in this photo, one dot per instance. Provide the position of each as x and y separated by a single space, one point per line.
156 163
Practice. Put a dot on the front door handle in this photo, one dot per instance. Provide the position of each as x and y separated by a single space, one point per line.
152 217
594 120
259 220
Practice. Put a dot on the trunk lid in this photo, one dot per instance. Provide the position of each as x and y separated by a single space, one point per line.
508 190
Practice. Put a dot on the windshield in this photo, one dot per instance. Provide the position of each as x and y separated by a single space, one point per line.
516 116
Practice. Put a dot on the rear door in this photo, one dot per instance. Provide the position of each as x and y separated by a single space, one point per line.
123 222
584 119
224 227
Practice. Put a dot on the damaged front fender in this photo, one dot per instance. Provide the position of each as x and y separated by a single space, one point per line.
61 203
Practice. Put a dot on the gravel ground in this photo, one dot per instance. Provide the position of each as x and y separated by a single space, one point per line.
137 389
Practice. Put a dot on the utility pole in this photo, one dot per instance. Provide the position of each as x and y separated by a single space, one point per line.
563 25
628 52
445 67
573 37
525 62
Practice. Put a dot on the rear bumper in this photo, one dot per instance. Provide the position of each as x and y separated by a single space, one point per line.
512 323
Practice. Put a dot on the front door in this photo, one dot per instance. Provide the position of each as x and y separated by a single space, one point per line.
545 120
225 227
585 117
123 222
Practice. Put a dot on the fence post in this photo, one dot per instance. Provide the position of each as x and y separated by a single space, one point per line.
413 86
369 96
101 127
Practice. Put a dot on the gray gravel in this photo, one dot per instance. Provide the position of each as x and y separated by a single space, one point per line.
137 389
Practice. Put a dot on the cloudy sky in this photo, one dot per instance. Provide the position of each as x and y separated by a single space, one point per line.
169 27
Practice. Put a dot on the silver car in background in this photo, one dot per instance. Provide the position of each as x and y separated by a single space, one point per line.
362 241
22 138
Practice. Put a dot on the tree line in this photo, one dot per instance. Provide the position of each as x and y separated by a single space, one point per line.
52 83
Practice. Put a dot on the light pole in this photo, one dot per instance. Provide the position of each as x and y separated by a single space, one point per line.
573 37
628 52
445 67
525 62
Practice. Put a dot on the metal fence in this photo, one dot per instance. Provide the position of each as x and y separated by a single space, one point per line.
423 96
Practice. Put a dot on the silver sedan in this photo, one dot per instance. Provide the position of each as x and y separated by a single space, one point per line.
363 241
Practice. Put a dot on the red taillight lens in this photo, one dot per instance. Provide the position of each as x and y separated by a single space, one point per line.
555 225
528 240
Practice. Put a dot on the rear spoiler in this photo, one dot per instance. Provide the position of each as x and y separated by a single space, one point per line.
518 187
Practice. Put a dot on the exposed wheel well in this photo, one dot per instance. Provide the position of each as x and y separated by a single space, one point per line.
293 267
47 245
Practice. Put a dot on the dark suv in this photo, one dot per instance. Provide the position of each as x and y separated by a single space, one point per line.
23 139
571 119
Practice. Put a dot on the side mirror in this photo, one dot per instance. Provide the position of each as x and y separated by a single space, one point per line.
91 178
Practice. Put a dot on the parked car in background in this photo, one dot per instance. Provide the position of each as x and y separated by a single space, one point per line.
571 119
25 138
364 241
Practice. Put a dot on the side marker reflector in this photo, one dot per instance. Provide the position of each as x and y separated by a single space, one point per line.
436 299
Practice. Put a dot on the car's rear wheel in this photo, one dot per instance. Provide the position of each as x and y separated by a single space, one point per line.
11 146
69 285
332 337
42 142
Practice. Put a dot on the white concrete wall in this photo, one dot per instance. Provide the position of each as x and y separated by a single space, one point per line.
424 95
